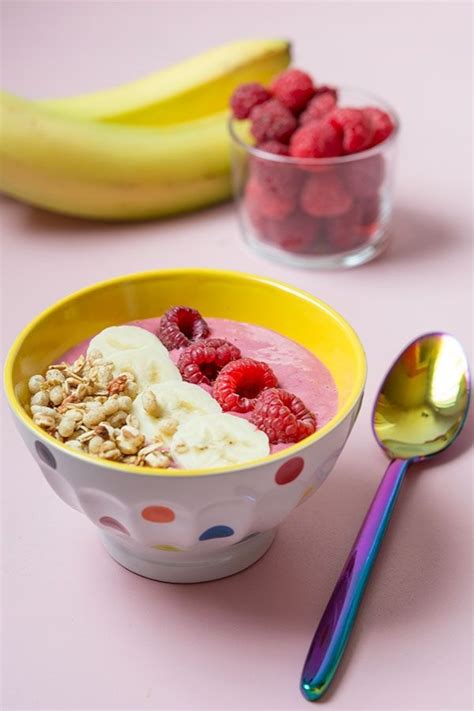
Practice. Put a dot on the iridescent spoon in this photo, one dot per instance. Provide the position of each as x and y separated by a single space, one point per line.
419 411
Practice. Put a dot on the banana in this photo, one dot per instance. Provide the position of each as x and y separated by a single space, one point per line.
156 147
197 87
125 338
111 172
161 409
217 440
135 350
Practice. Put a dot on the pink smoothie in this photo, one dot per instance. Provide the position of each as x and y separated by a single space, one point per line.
296 369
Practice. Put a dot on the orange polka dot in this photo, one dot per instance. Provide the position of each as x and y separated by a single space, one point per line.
158 514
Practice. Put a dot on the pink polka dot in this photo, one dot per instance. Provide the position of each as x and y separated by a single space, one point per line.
289 470
109 522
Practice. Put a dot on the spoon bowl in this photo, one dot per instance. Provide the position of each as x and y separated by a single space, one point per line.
424 399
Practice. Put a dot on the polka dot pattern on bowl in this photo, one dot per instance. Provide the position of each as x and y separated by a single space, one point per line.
233 510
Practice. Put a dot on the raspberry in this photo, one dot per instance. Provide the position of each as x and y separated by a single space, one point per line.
370 209
282 416
255 217
326 90
324 195
356 129
293 88
245 97
381 124
363 177
200 362
266 201
343 233
296 233
318 139
271 121
180 325
240 382
274 147
278 178
320 106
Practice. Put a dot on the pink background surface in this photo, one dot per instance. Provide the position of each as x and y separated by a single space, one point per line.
79 632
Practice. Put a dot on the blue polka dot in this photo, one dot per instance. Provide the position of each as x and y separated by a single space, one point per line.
45 455
216 532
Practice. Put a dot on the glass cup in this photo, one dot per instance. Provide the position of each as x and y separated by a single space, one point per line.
315 212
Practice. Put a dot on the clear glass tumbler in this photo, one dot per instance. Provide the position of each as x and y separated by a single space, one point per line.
315 212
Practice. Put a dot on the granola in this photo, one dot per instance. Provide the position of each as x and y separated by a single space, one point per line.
88 409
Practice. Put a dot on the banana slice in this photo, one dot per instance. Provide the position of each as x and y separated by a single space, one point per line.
125 338
162 408
135 350
217 440
147 365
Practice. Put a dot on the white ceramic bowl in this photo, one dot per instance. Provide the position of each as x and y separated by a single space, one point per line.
189 525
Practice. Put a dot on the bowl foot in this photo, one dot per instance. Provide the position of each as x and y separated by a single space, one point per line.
187 566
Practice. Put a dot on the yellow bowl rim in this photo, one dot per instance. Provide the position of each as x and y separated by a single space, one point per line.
357 390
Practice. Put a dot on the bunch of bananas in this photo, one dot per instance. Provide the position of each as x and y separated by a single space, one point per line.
155 147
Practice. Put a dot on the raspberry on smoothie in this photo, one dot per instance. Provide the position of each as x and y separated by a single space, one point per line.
201 362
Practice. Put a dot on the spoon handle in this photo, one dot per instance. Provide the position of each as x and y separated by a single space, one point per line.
333 632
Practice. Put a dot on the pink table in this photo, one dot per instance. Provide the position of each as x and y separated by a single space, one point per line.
82 633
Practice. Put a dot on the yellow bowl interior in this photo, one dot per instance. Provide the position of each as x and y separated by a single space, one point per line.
217 293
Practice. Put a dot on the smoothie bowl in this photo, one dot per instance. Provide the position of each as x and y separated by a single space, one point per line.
186 412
